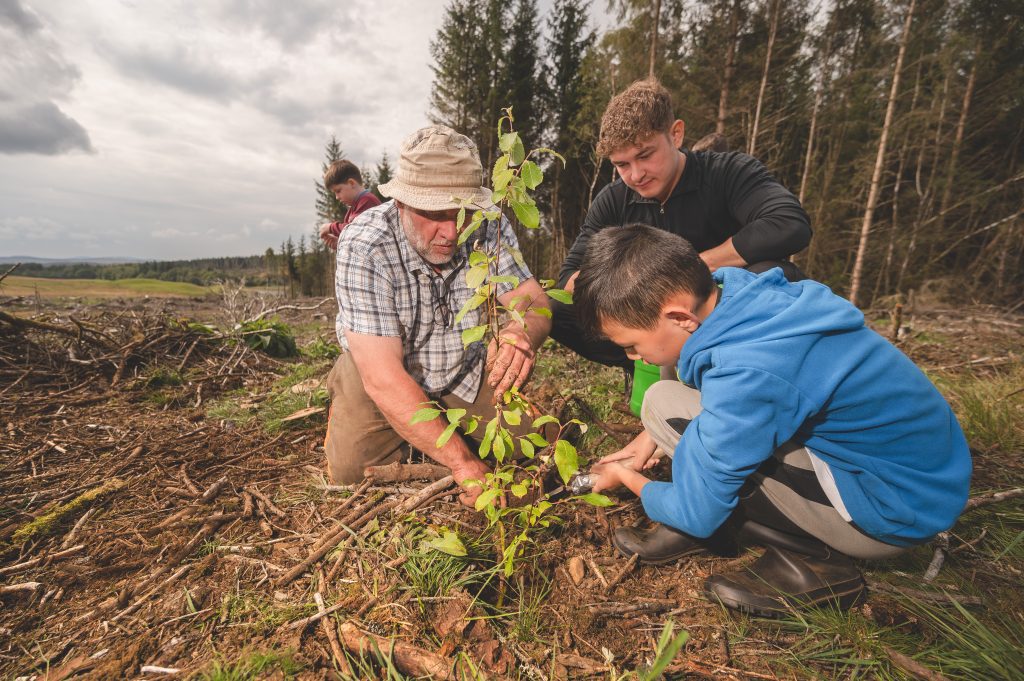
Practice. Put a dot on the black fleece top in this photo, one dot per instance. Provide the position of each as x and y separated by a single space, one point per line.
719 195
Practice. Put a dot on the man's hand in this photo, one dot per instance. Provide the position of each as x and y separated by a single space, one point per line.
637 455
471 469
510 359
327 237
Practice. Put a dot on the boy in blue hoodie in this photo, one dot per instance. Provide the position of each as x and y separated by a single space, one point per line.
793 425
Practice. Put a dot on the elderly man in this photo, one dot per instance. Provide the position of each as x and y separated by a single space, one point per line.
401 279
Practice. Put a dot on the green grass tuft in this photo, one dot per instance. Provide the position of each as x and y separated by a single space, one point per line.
251 666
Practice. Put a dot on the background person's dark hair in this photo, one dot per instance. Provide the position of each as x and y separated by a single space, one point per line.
629 272
341 172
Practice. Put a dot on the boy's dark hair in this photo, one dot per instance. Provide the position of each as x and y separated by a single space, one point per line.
629 272
340 172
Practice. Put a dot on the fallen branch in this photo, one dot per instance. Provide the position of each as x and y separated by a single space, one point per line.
912 666
400 472
48 522
989 499
279 308
622 573
332 636
28 564
646 606
407 658
270 506
928 596
24 587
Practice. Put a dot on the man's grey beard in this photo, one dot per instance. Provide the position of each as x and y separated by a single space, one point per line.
421 245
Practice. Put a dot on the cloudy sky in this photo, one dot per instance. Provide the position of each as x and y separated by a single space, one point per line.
190 129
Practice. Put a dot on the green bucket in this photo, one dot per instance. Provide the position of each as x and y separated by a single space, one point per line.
644 375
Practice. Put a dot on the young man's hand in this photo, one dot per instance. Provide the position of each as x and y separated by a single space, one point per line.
472 469
327 237
510 359
638 454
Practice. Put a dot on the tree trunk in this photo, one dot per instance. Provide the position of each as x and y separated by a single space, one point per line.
958 140
876 175
776 10
654 38
730 68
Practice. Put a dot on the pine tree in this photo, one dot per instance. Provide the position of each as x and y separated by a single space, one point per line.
453 49
328 208
522 85
383 173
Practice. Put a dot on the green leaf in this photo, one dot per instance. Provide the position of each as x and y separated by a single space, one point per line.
505 279
532 174
527 447
542 311
566 459
478 258
473 334
512 417
499 447
488 437
526 214
537 439
461 220
519 489
498 196
476 275
500 166
448 542
475 301
474 225
486 498
666 652
502 179
471 423
517 154
595 499
507 141
446 435
425 414
545 150
541 420
455 414
560 295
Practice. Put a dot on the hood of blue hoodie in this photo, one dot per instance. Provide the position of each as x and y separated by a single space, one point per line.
761 309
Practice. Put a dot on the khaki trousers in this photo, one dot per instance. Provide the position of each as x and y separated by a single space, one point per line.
358 435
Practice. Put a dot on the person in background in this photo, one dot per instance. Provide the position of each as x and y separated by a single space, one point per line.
344 180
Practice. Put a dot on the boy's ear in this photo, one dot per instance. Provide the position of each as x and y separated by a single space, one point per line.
681 317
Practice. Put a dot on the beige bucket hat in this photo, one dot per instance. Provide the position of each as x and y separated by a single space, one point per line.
436 168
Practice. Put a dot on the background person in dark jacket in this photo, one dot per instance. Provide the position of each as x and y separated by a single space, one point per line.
726 204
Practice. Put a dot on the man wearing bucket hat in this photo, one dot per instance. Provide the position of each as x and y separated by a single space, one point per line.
401 279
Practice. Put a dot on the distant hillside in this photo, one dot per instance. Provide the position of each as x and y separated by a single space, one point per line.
46 262
256 270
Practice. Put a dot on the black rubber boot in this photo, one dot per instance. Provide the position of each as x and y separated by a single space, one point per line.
662 544
782 579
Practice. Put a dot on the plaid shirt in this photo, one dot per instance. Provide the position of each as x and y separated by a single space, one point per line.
384 288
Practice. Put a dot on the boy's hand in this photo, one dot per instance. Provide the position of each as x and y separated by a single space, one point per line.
607 475
327 237
639 453
613 474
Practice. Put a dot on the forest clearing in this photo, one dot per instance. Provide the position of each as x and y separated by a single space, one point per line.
166 515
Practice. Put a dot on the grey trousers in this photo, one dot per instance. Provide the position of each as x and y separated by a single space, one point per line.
670 399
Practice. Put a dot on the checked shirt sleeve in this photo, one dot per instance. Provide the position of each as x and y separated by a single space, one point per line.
365 291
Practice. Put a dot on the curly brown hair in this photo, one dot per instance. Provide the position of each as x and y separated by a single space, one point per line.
639 111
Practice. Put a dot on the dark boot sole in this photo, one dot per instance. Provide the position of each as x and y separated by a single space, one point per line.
695 551
843 600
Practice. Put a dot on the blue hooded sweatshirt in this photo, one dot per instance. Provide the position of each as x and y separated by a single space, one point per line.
776 361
